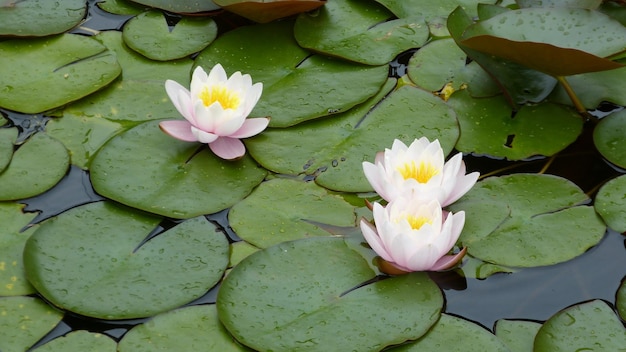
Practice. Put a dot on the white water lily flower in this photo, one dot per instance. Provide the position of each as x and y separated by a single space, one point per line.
411 235
419 170
215 110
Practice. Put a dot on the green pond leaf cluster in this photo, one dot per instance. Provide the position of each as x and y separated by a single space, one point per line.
516 83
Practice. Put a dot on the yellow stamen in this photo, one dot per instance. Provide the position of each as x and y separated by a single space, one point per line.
422 173
227 98
417 223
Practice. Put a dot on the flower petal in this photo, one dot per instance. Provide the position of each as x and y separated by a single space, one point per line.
448 261
178 129
251 127
372 238
228 148
181 99
203 137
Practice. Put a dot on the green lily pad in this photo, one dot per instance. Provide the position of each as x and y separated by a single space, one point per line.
527 220
591 326
264 11
296 86
194 328
149 170
44 73
25 320
436 64
91 260
138 95
473 336
556 41
359 31
38 165
181 6
82 135
608 136
518 335
478 269
593 88
487 127
296 208
620 300
431 10
239 251
357 135
582 4
13 280
7 140
80 340
307 294
149 35
38 18
122 7
610 203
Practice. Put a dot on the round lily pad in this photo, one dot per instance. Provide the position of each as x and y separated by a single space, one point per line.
314 293
194 328
297 86
80 340
473 336
350 138
7 140
181 6
35 18
149 35
437 64
38 165
608 136
528 220
96 260
297 209
359 31
44 73
591 326
610 203
13 280
518 335
25 320
149 170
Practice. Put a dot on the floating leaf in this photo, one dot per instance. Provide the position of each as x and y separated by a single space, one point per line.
194 328
286 298
473 336
170 177
359 31
122 7
23 321
7 138
41 74
149 35
610 203
297 207
527 220
181 6
593 88
430 10
39 17
437 64
264 11
38 165
296 86
608 136
591 326
582 4
518 335
92 260
489 126
239 251
80 340
620 300
357 135
13 280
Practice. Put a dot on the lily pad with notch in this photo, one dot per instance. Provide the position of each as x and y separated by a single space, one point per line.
316 292
527 220
38 18
610 203
101 260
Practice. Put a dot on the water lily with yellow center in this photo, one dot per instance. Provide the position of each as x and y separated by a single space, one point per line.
411 235
419 170
215 109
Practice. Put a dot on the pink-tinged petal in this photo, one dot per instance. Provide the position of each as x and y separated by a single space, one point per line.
206 117
375 176
227 122
372 238
251 97
184 100
391 268
178 129
251 127
380 156
228 148
204 137
422 259
463 185
448 261
180 97
198 81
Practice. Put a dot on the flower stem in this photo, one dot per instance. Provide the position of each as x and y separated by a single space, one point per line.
572 95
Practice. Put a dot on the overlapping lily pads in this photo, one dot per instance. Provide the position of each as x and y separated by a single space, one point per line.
296 86
525 220
44 73
13 280
355 136
7 140
610 203
25 320
96 260
518 335
80 340
297 209
608 137
181 6
308 294
149 170
39 17
359 31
